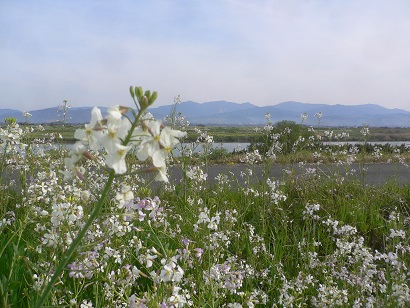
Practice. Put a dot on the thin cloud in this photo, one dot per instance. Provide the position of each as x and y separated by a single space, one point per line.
264 52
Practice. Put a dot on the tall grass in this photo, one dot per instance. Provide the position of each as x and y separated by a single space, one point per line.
304 239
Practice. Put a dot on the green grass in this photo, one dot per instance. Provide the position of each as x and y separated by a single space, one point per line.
305 240
243 133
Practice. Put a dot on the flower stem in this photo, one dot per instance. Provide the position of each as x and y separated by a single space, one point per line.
69 253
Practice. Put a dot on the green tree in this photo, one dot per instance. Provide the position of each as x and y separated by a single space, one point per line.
283 137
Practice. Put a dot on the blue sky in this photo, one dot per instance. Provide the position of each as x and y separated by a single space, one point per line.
264 52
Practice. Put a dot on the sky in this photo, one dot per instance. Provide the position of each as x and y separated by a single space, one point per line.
265 52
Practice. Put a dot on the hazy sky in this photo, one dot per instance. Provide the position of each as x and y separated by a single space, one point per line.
264 52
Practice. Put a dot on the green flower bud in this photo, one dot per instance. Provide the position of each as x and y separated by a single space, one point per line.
139 92
143 103
153 97
132 91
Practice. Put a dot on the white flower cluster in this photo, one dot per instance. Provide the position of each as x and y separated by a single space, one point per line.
27 115
11 135
310 211
170 272
365 131
303 117
197 177
8 219
118 134
252 158
204 218
276 194
203 137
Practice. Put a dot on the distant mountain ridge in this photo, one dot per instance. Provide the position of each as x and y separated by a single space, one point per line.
230 113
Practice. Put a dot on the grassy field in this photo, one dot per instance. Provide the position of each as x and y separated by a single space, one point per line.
238 133
378 133
80 232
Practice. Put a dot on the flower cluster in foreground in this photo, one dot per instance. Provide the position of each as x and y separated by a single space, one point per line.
121 131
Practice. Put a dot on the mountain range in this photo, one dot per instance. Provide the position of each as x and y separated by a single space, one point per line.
230 113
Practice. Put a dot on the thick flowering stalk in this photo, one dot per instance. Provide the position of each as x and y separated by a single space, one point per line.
117 134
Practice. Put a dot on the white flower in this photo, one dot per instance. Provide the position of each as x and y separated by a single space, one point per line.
318 115
114 134
149 260
136 302
397 233
150 143
166 273
177 300
91 133
159 143
115 113
77 151
124 196
116 159
162 174
171 272
167 140
85 195
86 304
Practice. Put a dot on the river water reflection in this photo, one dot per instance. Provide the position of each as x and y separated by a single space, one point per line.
238 146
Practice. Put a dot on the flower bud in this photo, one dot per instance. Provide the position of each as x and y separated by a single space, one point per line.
79 172
88 155
123 109
139 92
153 97
150 169
143 103
132 91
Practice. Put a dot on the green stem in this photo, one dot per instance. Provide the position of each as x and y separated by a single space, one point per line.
133 126
69 253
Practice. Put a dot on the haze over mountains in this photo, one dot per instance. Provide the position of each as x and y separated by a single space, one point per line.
230 113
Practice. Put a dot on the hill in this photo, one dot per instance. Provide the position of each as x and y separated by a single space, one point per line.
230 113
248 114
